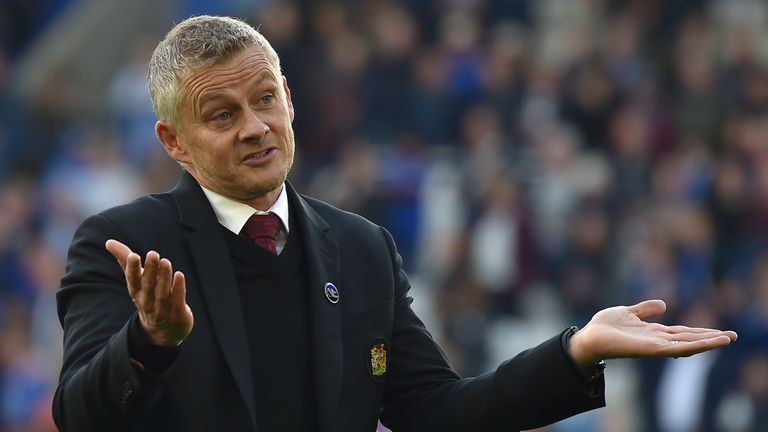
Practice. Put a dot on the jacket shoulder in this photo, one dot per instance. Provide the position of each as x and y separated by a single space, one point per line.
341 219
356 236
146 209
144 220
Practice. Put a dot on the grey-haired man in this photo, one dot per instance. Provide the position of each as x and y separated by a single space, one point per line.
174 321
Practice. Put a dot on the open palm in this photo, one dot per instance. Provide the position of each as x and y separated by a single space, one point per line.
622 331
158 292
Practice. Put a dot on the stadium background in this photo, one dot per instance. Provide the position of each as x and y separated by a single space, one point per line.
535 161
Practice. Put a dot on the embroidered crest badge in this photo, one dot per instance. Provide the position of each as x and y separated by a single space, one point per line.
378 358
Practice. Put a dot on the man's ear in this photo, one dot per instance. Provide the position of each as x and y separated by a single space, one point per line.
288 97
168 135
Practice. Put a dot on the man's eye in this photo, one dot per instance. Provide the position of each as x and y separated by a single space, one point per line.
267 100
224 116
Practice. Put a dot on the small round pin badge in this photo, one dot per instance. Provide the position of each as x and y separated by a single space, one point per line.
331 293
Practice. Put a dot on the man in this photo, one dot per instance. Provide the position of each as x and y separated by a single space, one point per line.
174 322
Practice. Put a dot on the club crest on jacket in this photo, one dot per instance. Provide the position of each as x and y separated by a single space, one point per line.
378 359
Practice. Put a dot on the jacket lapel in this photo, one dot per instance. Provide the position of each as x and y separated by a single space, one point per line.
217 283
323 266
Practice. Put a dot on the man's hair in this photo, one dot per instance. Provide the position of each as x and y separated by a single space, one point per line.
191 45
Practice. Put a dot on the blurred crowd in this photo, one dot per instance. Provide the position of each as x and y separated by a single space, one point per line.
536 161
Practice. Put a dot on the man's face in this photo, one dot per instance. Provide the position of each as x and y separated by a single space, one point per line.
235 135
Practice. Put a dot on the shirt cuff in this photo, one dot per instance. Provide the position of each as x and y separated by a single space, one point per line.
152 358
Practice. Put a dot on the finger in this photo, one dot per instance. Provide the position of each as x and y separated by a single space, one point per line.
731 335
683 329
151 266
133 274
178 292
693 337
163 286
648 309
685 349
119 251
149 280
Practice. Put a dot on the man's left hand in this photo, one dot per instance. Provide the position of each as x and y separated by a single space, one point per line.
622 331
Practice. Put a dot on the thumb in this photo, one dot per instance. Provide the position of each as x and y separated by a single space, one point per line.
119 251
648 309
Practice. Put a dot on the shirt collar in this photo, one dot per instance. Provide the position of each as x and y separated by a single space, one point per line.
233 214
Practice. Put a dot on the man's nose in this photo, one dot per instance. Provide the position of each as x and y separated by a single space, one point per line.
254 128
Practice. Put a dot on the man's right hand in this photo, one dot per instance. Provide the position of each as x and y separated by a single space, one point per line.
158 293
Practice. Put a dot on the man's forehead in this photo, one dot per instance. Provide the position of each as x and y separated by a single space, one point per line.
251 64
255 76
252 58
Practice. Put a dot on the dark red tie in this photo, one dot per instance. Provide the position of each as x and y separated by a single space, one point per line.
263 230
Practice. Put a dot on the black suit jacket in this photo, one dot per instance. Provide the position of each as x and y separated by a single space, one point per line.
209 386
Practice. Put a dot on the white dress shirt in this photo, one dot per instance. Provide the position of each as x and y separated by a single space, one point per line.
233 214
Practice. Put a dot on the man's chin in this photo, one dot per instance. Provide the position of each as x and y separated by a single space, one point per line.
260 193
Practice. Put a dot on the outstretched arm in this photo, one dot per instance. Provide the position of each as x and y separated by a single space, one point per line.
621 332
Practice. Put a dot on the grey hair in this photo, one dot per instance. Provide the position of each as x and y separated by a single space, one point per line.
191 45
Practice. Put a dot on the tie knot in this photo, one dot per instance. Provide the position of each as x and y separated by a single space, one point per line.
262 229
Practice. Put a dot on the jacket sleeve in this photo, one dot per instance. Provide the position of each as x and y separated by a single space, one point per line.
422 393
99 387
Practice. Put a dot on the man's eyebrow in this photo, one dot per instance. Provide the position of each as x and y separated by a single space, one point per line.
263 75
258 79
210 98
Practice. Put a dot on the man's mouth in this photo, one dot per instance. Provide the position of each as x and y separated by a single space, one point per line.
260 154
